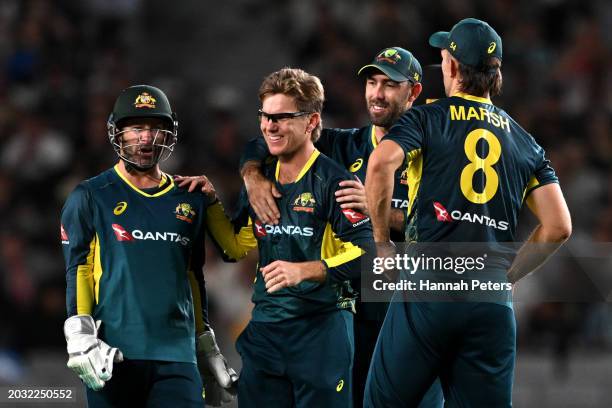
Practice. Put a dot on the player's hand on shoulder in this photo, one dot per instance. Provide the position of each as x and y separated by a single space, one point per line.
262 193
89 357
351 194
191 183
218 377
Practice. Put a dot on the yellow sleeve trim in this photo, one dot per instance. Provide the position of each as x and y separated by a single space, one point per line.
533 183
97 269
336 252
85 282
236 246
350 253
414 174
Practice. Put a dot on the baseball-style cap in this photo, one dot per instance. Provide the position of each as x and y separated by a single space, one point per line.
471 41
396 63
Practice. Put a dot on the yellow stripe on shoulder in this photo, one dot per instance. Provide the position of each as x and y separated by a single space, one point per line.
336 252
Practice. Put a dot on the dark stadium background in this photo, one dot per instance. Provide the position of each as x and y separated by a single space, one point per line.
63 62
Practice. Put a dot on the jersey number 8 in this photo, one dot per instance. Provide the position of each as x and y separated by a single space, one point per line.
479 163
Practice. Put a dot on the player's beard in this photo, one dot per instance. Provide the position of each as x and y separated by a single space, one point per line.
136 155
396 110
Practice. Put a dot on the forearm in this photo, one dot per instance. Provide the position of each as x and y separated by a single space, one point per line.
249 169
397 220
235 246
379 190
535 252
313 271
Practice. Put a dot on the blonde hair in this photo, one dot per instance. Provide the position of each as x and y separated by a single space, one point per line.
305 89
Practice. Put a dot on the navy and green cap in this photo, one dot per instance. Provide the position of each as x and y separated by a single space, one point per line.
471 41
396 63
142 101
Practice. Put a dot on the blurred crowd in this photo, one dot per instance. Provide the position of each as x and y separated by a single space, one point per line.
62 63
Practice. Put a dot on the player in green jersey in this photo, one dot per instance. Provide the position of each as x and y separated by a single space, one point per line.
134 249
297 350
472 168
392 84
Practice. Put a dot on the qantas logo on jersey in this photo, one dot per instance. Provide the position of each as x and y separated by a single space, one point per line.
262 230
121 234
443 215
124 235
355 218
397 203
63 235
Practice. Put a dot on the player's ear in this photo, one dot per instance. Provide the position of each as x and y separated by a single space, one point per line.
313 122
416 91
454 67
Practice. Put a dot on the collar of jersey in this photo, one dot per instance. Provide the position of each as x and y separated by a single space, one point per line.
473 98
373 136
304 170
164 191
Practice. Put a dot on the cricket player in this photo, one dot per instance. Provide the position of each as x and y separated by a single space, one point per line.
297 350
134 249
467 157
392 84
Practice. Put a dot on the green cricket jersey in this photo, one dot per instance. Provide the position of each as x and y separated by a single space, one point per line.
351 148
312 227
471 166
128 255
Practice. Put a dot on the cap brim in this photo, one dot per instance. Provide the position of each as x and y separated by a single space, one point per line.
439 39
388 71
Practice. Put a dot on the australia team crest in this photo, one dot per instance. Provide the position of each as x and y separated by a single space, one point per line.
145 100
304 202
185 212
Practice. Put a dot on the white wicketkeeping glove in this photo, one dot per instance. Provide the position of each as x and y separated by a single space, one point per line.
218 377
90 358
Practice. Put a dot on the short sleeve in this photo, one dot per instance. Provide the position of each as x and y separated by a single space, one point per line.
543 173
409 131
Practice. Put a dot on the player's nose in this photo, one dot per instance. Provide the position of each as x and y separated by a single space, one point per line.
379 92
146 136
269 125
